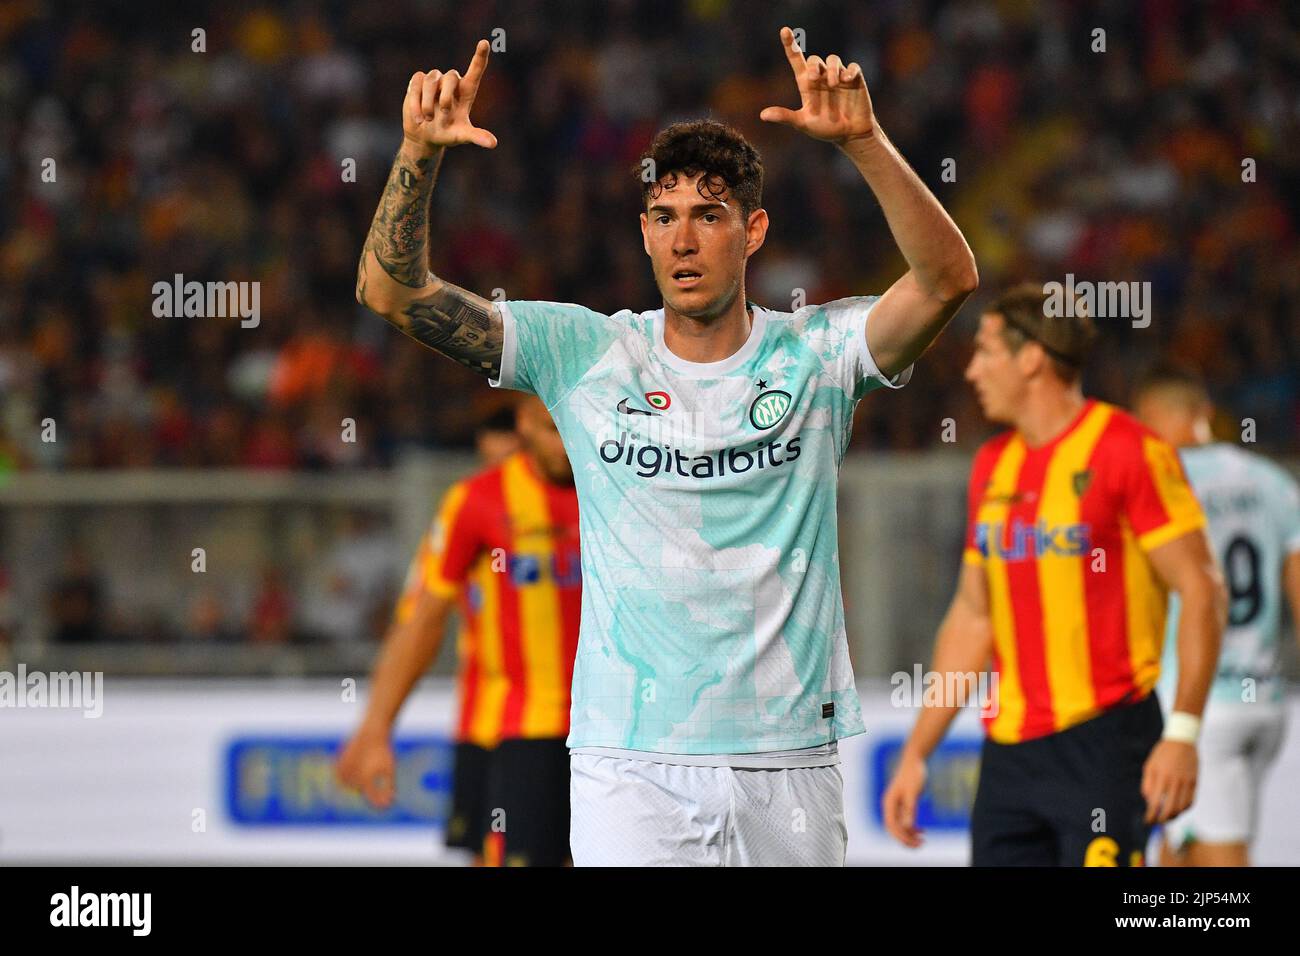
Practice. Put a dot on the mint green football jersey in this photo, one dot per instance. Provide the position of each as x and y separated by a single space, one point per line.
712 619
1252 510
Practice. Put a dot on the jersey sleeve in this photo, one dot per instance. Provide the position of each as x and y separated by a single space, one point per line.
1157 498
1286 512
975 549
413 584
453 543
549 346
840 332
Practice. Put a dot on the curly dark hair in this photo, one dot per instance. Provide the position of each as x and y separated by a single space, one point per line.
703 146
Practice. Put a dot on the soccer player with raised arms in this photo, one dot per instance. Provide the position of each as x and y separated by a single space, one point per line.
712 679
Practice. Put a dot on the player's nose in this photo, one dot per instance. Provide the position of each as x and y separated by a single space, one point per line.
684 241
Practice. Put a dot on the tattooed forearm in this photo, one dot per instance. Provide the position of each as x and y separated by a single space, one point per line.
457 323
361 276
400 232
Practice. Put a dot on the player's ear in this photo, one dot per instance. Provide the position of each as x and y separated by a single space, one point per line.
1033 358
755 231
645 242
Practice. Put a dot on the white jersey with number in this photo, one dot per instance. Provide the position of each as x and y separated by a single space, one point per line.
712 620
1252 507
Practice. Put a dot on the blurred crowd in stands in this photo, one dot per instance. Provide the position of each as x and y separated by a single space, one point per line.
231 165
346 597
1128 140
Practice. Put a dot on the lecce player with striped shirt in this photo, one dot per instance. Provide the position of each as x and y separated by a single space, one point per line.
1081 521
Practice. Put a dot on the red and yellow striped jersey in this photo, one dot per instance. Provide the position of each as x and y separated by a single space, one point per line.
505 545
1062 533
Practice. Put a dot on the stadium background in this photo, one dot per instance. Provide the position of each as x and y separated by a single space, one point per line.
232 164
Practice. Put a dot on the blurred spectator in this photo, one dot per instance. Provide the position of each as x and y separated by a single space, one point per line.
271 620
77 602
351 601
8 609
496 438
207 620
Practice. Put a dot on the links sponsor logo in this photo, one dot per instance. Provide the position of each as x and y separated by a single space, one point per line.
562 570
768 408
649 460
1032 541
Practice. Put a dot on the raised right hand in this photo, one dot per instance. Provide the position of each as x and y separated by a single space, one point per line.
436 110
367 764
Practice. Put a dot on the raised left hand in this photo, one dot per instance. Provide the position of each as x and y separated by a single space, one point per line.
836 106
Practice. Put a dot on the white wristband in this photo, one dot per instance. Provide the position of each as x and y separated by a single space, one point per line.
1182 727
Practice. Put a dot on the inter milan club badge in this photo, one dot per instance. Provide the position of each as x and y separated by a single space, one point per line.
768 409
658 400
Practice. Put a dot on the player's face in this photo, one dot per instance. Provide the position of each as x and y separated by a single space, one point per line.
541 439
698 244
495 447
1000 383
1174 421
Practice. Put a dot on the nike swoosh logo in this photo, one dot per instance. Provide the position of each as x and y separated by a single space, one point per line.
623 407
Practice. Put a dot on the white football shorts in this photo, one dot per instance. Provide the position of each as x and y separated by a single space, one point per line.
627 812
1238 744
